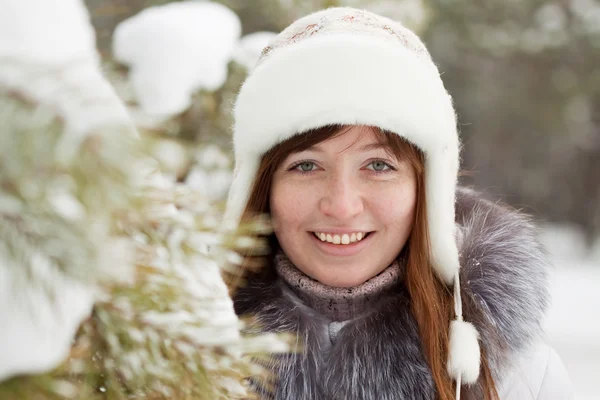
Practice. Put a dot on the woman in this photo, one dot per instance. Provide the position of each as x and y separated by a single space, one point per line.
346 137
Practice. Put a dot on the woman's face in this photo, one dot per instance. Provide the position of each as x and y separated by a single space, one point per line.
343 209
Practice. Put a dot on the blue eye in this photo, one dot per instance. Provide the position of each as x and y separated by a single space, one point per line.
306 166
379 166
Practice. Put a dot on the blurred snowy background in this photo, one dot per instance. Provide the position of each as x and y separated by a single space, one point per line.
524 76
573 323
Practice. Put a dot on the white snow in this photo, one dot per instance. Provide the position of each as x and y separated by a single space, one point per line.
573 323
40 318
49 56
172 156
250 47
551 17
212 175
66 205
212 156
49 32
213 184
174 50
588 14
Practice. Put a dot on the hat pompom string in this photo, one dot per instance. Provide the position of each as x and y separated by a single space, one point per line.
464 355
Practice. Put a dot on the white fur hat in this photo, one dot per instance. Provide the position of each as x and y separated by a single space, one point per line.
352 67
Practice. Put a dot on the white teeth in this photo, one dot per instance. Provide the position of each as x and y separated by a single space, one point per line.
343 239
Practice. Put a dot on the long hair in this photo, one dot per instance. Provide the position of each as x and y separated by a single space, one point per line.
431 299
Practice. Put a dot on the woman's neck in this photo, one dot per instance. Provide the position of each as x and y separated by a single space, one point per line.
337 303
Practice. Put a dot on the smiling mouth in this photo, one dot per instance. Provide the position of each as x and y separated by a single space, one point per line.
344 239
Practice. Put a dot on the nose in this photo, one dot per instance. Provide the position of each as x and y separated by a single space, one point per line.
342 199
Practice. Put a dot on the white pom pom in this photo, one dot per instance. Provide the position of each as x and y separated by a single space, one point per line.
463 352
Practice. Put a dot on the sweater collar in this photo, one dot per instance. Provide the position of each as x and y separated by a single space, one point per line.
337 303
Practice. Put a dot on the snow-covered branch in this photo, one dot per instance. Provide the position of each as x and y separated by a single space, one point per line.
106 285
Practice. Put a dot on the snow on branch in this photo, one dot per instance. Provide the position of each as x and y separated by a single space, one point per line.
48 55
106 283
61 178
174 50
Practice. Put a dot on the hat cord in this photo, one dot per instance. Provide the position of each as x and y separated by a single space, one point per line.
459 317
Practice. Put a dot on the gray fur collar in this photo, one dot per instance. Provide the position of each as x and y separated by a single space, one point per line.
379 356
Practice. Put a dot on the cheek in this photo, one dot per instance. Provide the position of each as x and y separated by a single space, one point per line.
396 207
289 204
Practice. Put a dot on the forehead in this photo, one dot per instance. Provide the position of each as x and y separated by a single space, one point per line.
351 138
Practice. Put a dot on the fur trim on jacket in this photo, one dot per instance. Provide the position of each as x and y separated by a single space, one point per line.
379 356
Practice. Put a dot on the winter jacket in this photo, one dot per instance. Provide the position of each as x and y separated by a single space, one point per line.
504 276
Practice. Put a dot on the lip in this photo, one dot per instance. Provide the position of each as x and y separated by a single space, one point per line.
339 231
345 250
